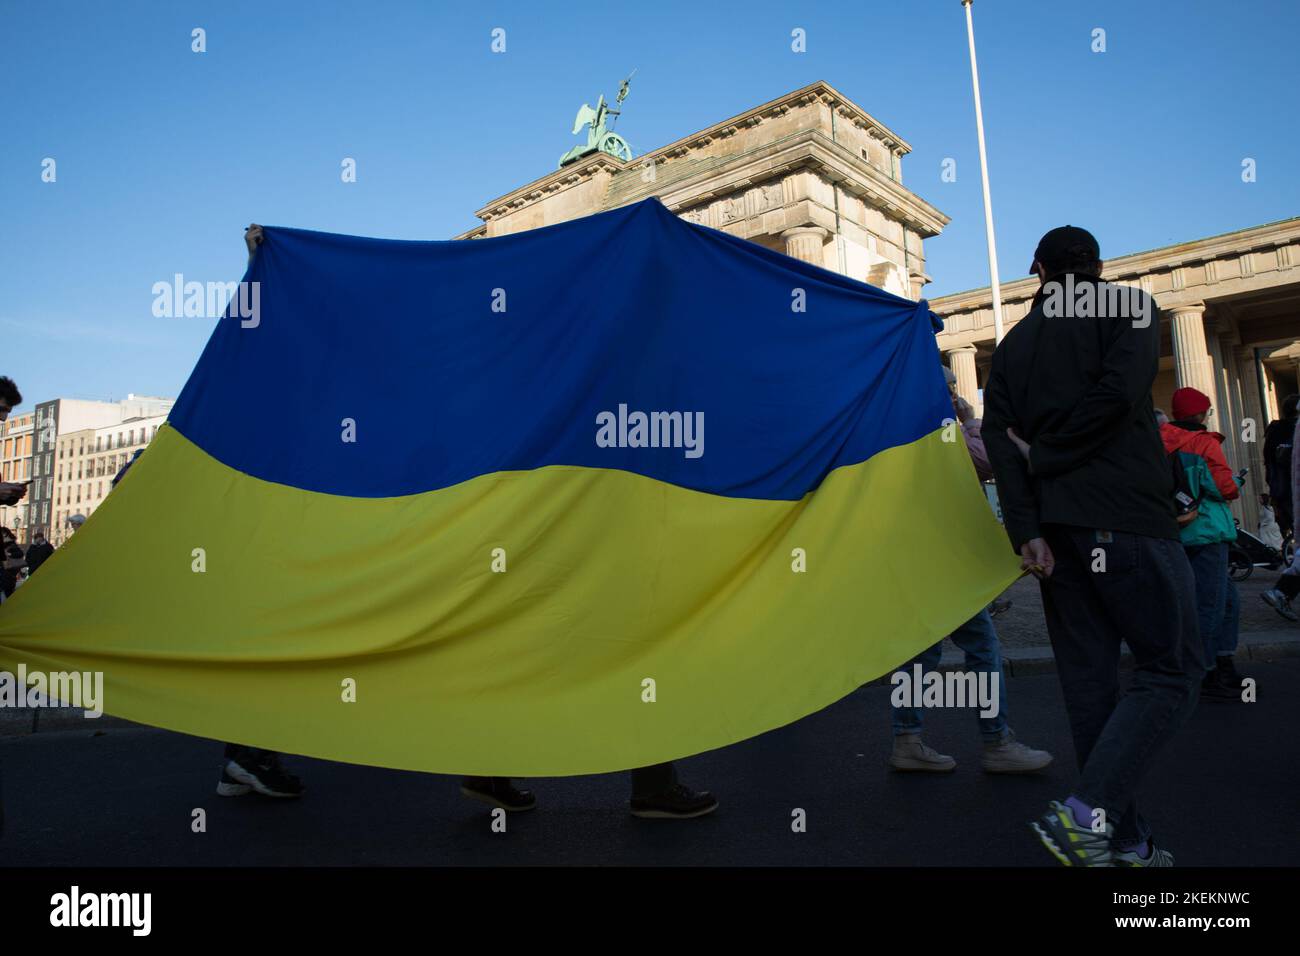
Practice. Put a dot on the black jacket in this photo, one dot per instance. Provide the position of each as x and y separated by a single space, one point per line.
1277 477
37 554
1078 389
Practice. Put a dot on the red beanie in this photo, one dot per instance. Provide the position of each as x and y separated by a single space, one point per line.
1189 402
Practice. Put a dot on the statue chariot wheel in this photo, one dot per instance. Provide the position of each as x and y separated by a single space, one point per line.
615 145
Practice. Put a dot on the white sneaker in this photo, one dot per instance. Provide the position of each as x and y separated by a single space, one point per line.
910 753
1278 602
1008 755
230 787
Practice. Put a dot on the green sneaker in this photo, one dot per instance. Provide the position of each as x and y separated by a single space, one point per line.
1070 843
1158 857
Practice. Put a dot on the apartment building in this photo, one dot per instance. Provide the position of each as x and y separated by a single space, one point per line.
79 447
16 465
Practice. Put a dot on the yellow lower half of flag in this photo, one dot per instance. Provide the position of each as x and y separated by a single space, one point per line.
564 620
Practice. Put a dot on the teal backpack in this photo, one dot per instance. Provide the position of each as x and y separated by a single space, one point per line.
1213 522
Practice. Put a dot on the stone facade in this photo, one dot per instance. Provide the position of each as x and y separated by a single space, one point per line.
809 174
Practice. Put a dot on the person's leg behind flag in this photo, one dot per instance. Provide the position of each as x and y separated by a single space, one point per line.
1003 753
909 752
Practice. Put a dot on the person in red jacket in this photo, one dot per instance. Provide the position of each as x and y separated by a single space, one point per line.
1207 537
1188 432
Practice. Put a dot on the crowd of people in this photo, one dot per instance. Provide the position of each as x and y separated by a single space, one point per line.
1124 517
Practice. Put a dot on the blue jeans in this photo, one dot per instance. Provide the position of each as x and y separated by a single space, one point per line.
1217 603
979 639
1226 645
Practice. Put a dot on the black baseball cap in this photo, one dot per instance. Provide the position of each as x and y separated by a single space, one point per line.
1066 244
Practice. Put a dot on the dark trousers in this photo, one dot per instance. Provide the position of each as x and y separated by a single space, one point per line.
1279 497
646 781
1144 598
248 756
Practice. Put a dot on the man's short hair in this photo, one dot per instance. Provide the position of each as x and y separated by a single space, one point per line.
9 393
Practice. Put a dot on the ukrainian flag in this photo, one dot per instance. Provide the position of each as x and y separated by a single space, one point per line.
588 497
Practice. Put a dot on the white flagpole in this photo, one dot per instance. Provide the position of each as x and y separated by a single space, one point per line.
984 174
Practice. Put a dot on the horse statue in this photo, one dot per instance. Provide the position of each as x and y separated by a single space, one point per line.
600 137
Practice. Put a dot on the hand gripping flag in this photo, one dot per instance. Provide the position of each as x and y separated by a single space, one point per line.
588 497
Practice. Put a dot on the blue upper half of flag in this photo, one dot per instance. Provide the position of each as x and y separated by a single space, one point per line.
378 368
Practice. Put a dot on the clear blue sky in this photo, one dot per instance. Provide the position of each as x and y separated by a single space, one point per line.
164 155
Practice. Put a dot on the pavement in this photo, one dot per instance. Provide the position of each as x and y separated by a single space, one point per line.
113 794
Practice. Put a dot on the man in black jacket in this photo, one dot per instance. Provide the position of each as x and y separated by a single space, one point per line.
38 552
1277 462
1087 497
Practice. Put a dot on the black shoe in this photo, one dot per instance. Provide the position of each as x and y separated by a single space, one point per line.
1213 688
678 802
999 606
265 776
498 792
1229 677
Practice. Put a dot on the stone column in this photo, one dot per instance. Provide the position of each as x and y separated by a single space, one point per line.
962 362
806 243
917 282
1192 365
1249 380
1228 413
1227 417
